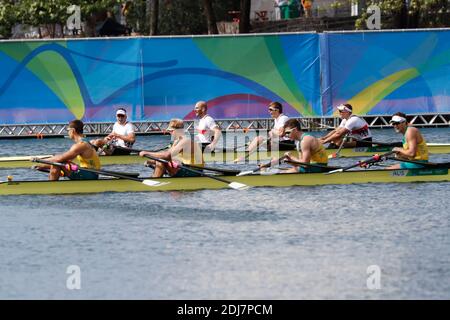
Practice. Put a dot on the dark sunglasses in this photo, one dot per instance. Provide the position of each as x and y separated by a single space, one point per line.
289 131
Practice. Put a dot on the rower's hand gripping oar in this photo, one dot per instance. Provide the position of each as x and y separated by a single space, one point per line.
265 165
233 185
375 158
74 167
336 154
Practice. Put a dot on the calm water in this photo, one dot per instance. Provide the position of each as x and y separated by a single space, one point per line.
264 243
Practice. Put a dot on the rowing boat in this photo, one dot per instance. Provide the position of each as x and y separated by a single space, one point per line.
222 157
437 174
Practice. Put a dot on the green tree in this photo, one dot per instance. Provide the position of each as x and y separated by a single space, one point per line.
244 23
43 14
210 17
176 17
410 14
8 18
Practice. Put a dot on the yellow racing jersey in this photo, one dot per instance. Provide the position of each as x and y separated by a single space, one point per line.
422 149
318 155
89 163
194 156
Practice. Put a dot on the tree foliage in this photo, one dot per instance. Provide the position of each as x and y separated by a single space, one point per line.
8 18
48 13
410 14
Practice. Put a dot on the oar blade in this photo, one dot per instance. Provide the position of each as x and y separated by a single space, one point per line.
335 171
332 156
244 173
238 186
154 183
270 172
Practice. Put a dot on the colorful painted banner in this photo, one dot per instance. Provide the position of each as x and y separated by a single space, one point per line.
386 72
162 78
157 78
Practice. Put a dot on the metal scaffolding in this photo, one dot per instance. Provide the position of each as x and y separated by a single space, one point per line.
227 125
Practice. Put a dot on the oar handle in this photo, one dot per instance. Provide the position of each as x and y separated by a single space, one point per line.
74 167
387 144
375 158
313 165
201 173
70 166
138 150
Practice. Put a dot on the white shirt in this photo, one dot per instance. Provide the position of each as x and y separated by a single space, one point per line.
278 123
357 126
123 130
204 129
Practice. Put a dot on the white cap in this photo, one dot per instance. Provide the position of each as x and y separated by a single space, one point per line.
120 111
397 119
342 107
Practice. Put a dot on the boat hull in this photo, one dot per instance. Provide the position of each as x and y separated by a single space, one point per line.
198 183
219 157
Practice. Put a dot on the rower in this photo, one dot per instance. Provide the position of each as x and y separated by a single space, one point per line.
205 127
352 125
81 149
414 145
189 151
122 136
309 147
276 136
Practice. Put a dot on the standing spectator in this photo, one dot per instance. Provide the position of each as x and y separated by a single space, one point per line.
307 7
282 9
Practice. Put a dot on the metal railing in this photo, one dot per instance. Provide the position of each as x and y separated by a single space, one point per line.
227 125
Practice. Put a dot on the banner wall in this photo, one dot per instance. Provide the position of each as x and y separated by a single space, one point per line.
157 79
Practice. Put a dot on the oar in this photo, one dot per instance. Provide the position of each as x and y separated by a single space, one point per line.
373 159
128 174
336 154
233 185
265 165
227 172
249 153
147 182
387 144
137 150
224 171
313 165
444 165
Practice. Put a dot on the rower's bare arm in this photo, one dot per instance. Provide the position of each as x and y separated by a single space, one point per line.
131 137
337 134
178 148
290 156
411 139
73 152
306 146
217 135
160 155
329 134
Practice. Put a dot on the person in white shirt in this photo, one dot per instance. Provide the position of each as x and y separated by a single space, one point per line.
276 134
351 126
207 132
122 136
